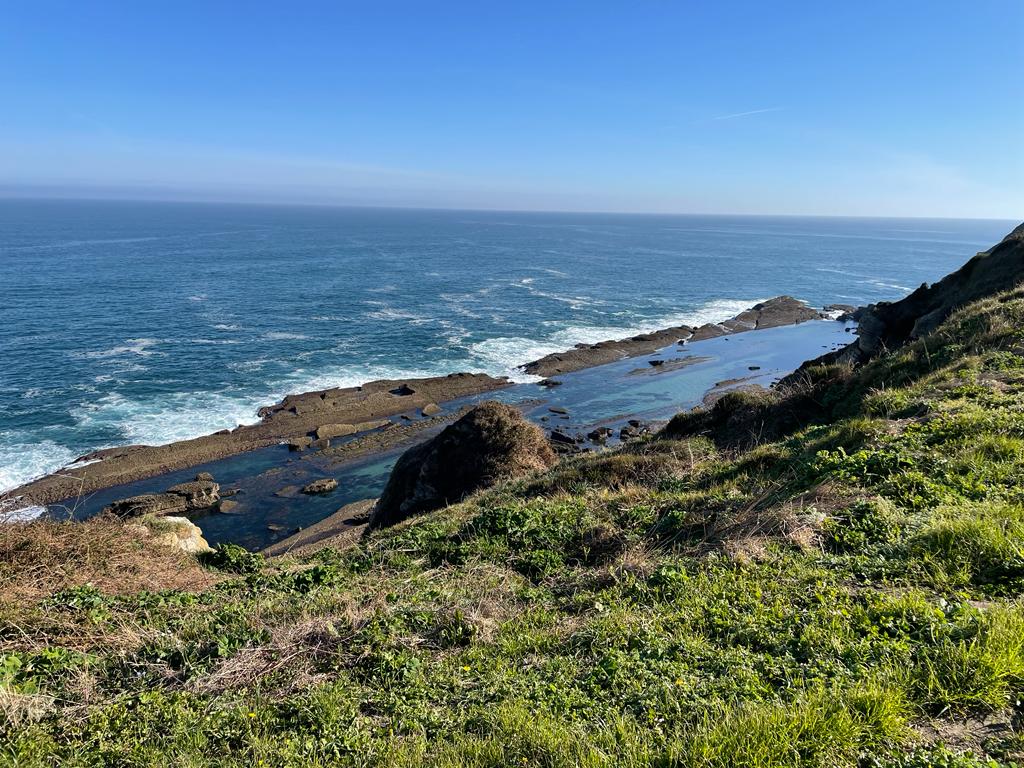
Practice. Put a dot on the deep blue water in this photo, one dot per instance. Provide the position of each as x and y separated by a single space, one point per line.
150 322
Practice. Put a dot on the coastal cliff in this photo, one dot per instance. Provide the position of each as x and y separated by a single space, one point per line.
827 574
888 325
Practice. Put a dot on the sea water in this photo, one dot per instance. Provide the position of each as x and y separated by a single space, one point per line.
130 322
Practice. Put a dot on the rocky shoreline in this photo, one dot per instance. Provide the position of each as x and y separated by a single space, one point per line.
313 419
782 310
297 419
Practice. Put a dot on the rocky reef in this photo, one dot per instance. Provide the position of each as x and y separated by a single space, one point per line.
295 420
782 310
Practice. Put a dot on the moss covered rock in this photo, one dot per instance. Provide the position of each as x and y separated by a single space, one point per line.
493 442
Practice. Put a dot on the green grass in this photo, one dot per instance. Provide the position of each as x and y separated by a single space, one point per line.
810 600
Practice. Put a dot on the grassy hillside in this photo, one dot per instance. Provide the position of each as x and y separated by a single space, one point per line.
828 578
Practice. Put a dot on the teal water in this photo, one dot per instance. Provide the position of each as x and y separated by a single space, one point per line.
609 395
151 322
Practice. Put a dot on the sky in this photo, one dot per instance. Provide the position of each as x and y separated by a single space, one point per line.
910 108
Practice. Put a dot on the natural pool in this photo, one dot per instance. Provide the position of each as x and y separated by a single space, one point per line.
270 506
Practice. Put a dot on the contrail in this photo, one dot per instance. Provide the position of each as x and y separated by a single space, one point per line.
744 114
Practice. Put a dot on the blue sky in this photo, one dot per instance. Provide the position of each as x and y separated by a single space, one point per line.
858 108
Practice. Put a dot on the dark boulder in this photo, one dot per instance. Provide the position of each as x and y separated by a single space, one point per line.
491 443
634 428
557 436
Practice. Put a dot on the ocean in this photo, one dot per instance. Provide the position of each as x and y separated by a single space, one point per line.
126 322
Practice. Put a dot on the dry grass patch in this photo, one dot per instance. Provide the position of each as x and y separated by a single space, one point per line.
286 664
45 556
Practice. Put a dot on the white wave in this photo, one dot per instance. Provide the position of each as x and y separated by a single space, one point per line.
10 512
389 314
504 355
226 327
839 271
167 418
139 347
186 415
354 376
23 459
284 336
882 284
245 366
574 302
710 312
214 342
198 297
129 368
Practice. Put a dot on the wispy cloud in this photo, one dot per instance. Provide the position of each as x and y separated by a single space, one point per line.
745 114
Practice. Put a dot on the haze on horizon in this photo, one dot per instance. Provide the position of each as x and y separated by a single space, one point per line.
890 109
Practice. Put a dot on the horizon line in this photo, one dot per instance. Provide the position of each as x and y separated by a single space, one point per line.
5 197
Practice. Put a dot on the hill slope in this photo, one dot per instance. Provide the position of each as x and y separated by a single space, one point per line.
828 576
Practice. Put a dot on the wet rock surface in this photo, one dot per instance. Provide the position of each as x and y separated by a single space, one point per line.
339 530
178 499
294 418
199 494
147 504
323 485
782 310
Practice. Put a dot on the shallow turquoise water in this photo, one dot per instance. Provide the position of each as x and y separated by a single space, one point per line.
147 322
608 395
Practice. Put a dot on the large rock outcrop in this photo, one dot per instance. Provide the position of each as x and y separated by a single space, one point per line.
491 443
888 325
183 497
